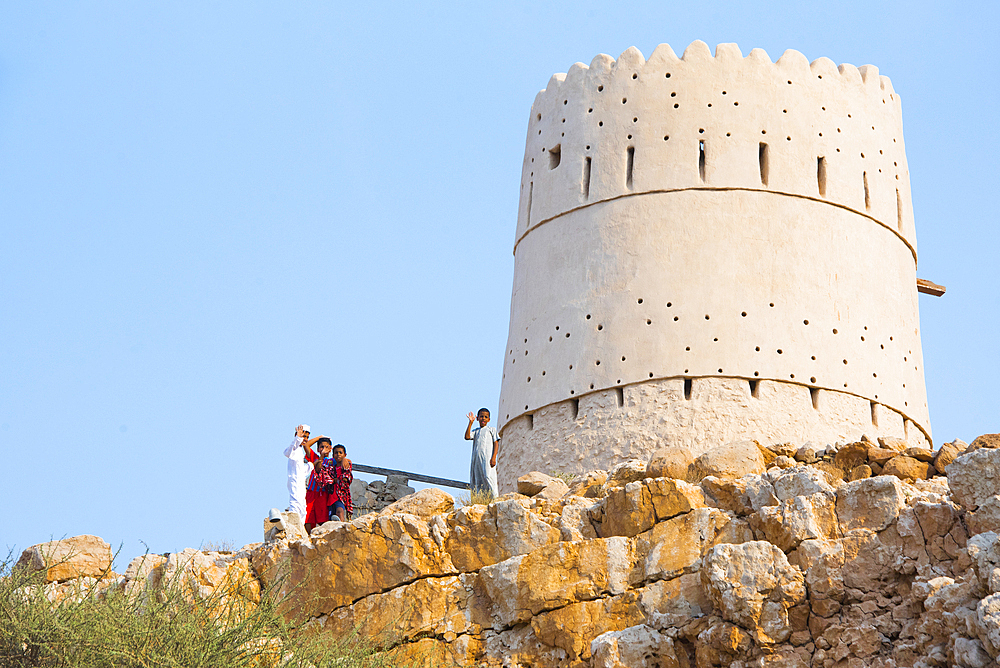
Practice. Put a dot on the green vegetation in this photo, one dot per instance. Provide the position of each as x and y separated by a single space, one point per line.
161 626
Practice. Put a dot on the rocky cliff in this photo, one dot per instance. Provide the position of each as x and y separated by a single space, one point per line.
744 556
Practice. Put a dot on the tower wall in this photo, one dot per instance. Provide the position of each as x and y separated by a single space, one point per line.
729 226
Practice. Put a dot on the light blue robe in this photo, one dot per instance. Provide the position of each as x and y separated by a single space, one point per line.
482 476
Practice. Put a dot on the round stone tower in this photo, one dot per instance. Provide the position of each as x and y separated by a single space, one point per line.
710 249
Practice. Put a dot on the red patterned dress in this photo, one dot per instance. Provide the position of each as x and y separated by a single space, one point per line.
317 500
341 478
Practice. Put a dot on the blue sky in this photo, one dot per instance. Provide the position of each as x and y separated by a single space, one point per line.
218 220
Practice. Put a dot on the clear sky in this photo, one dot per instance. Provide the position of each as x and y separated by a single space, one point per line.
218 220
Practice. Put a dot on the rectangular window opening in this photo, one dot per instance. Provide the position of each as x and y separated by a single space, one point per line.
687 388
555 156
575 407
586 177
754 384
868 199
531 191
814 395
874 415
629 166
701 160
620 396
762 160
531 421
899 211
821 176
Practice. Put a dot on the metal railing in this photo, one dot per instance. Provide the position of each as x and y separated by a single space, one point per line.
419 477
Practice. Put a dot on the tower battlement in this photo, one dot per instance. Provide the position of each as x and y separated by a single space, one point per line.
702 221
631 126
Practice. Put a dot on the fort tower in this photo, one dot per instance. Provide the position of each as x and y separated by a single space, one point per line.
709 249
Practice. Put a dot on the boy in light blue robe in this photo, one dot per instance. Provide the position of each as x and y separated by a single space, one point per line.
485 446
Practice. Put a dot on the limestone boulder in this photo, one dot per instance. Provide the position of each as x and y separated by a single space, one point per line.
555 490
288 527
948 453
974 476
69 558
907 468
754 586
425 503
851 455
634 646
589 484
481 535
440 607
807 454
635 508
677 546
985 441
800 481
859 473
632 470
670 462
986 517
872 503
532 483
920 454
893 443
574 626
674 602
797 519
732 460
554 576
880 456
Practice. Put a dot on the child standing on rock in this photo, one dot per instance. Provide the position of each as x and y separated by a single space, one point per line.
317 499
340 476
485 447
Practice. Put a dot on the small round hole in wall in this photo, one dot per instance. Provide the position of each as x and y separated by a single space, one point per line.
779 351
757 348
525 407
784 111
557 328
669 304
630 136
736 104
550 338
651 373
567 335
756 373
791 375
529 379
701 131
648 321
526 352
635 120
543 373
862 338
588 147
715 339
729 134
845 384
805 322
835 331
676 106
624 100
666 137
688 348
771 304
526 340
600 327
590 111
874 375
639 300
788 138
570 367
882 346
618 382
588 316
600 124
667 75
591 386
597 362
812 379
814 358
623 358
845 361
676 318
866 328
710 104
572 391
635 76
706 317
600 88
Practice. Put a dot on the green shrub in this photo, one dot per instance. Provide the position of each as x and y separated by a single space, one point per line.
106 626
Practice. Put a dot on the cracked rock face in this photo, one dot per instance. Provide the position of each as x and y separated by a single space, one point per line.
792 566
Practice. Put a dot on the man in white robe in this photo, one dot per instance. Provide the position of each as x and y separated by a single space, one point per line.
298 471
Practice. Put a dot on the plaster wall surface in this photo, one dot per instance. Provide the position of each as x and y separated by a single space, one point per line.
711 216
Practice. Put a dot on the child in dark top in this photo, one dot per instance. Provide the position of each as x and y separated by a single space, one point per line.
317 499
340 475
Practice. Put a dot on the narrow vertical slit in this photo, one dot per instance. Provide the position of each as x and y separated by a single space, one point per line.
620 396
868 199
814 395
701 160
687 388
754 384
821 176
762 162
874 415
531 421
899 211
531 191
629 166
575 406
586 177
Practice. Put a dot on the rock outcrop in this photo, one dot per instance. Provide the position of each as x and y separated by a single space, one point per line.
795 565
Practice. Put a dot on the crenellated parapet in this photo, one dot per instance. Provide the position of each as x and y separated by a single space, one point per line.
631 126
701 221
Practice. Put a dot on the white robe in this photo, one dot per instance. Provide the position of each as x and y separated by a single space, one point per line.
298 475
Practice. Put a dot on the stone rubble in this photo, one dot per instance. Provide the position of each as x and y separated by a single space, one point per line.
818 564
